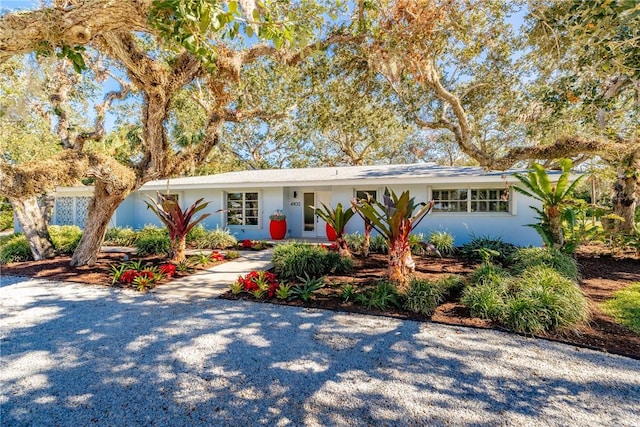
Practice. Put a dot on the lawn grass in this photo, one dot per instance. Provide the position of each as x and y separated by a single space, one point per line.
625 307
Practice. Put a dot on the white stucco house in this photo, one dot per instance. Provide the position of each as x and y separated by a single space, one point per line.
468 200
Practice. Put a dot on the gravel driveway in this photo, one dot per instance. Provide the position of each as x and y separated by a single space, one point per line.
76 355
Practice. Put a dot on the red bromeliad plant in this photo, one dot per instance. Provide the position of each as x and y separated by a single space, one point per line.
217 256
395 219
177 221
258 283
168 269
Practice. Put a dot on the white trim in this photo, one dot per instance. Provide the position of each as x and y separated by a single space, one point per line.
511 205
242 226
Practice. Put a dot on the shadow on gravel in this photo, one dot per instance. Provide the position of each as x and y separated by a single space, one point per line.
74 355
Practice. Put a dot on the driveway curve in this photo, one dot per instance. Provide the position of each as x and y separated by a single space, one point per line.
78 355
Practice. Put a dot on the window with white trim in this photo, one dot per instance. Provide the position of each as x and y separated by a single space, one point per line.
471 200
242 208
362 194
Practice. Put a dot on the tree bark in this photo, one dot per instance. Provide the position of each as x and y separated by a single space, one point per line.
178 249
104 203
555 227
400 264
624 201
34 226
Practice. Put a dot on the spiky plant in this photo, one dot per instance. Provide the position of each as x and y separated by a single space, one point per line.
338 219
395 218
177 221
554 200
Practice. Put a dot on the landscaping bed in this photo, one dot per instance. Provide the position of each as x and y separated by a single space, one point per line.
602 275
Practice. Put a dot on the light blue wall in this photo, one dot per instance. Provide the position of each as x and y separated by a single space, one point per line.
510 226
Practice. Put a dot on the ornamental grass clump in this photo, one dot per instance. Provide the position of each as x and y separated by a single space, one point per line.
537 301
444 242
219 238
293 260
424 296
525 258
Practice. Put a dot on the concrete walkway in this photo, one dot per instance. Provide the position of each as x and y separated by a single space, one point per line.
215 281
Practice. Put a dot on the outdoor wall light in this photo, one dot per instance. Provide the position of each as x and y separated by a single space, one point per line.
295 194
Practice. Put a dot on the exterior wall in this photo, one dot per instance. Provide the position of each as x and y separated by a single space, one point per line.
463 225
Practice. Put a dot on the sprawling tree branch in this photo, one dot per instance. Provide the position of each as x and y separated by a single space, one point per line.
37 30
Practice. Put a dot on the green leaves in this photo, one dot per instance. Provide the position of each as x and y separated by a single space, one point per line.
336 218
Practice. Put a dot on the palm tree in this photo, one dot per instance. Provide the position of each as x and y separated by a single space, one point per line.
395 219
554 199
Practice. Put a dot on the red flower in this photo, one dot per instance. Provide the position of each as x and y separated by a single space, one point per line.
168 269
217 256
247 244
128 276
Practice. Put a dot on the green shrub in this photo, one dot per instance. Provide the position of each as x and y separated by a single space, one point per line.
625 307
472 249
305 290
539 300
152 240
378 245
65 238
415 241
16 249
545 300
383 296
119 236
220 238
443 242
6 220
5 239
485 301
292 260
355 241
196 234
424 296
452 284
525 258
488 273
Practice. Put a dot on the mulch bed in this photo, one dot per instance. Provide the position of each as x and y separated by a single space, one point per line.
602 274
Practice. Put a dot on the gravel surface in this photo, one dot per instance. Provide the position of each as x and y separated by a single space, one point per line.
76 355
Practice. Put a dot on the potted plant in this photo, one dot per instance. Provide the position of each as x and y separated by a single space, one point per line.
278 225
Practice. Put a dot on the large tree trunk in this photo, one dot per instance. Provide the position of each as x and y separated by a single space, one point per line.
625 199
34 226
101 208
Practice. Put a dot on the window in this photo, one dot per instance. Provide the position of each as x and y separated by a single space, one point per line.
489 201
471 200
450 200
362 194
242 209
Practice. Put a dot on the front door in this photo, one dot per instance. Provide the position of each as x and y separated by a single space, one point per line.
312 225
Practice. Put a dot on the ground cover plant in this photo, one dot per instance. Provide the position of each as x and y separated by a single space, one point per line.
625 307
